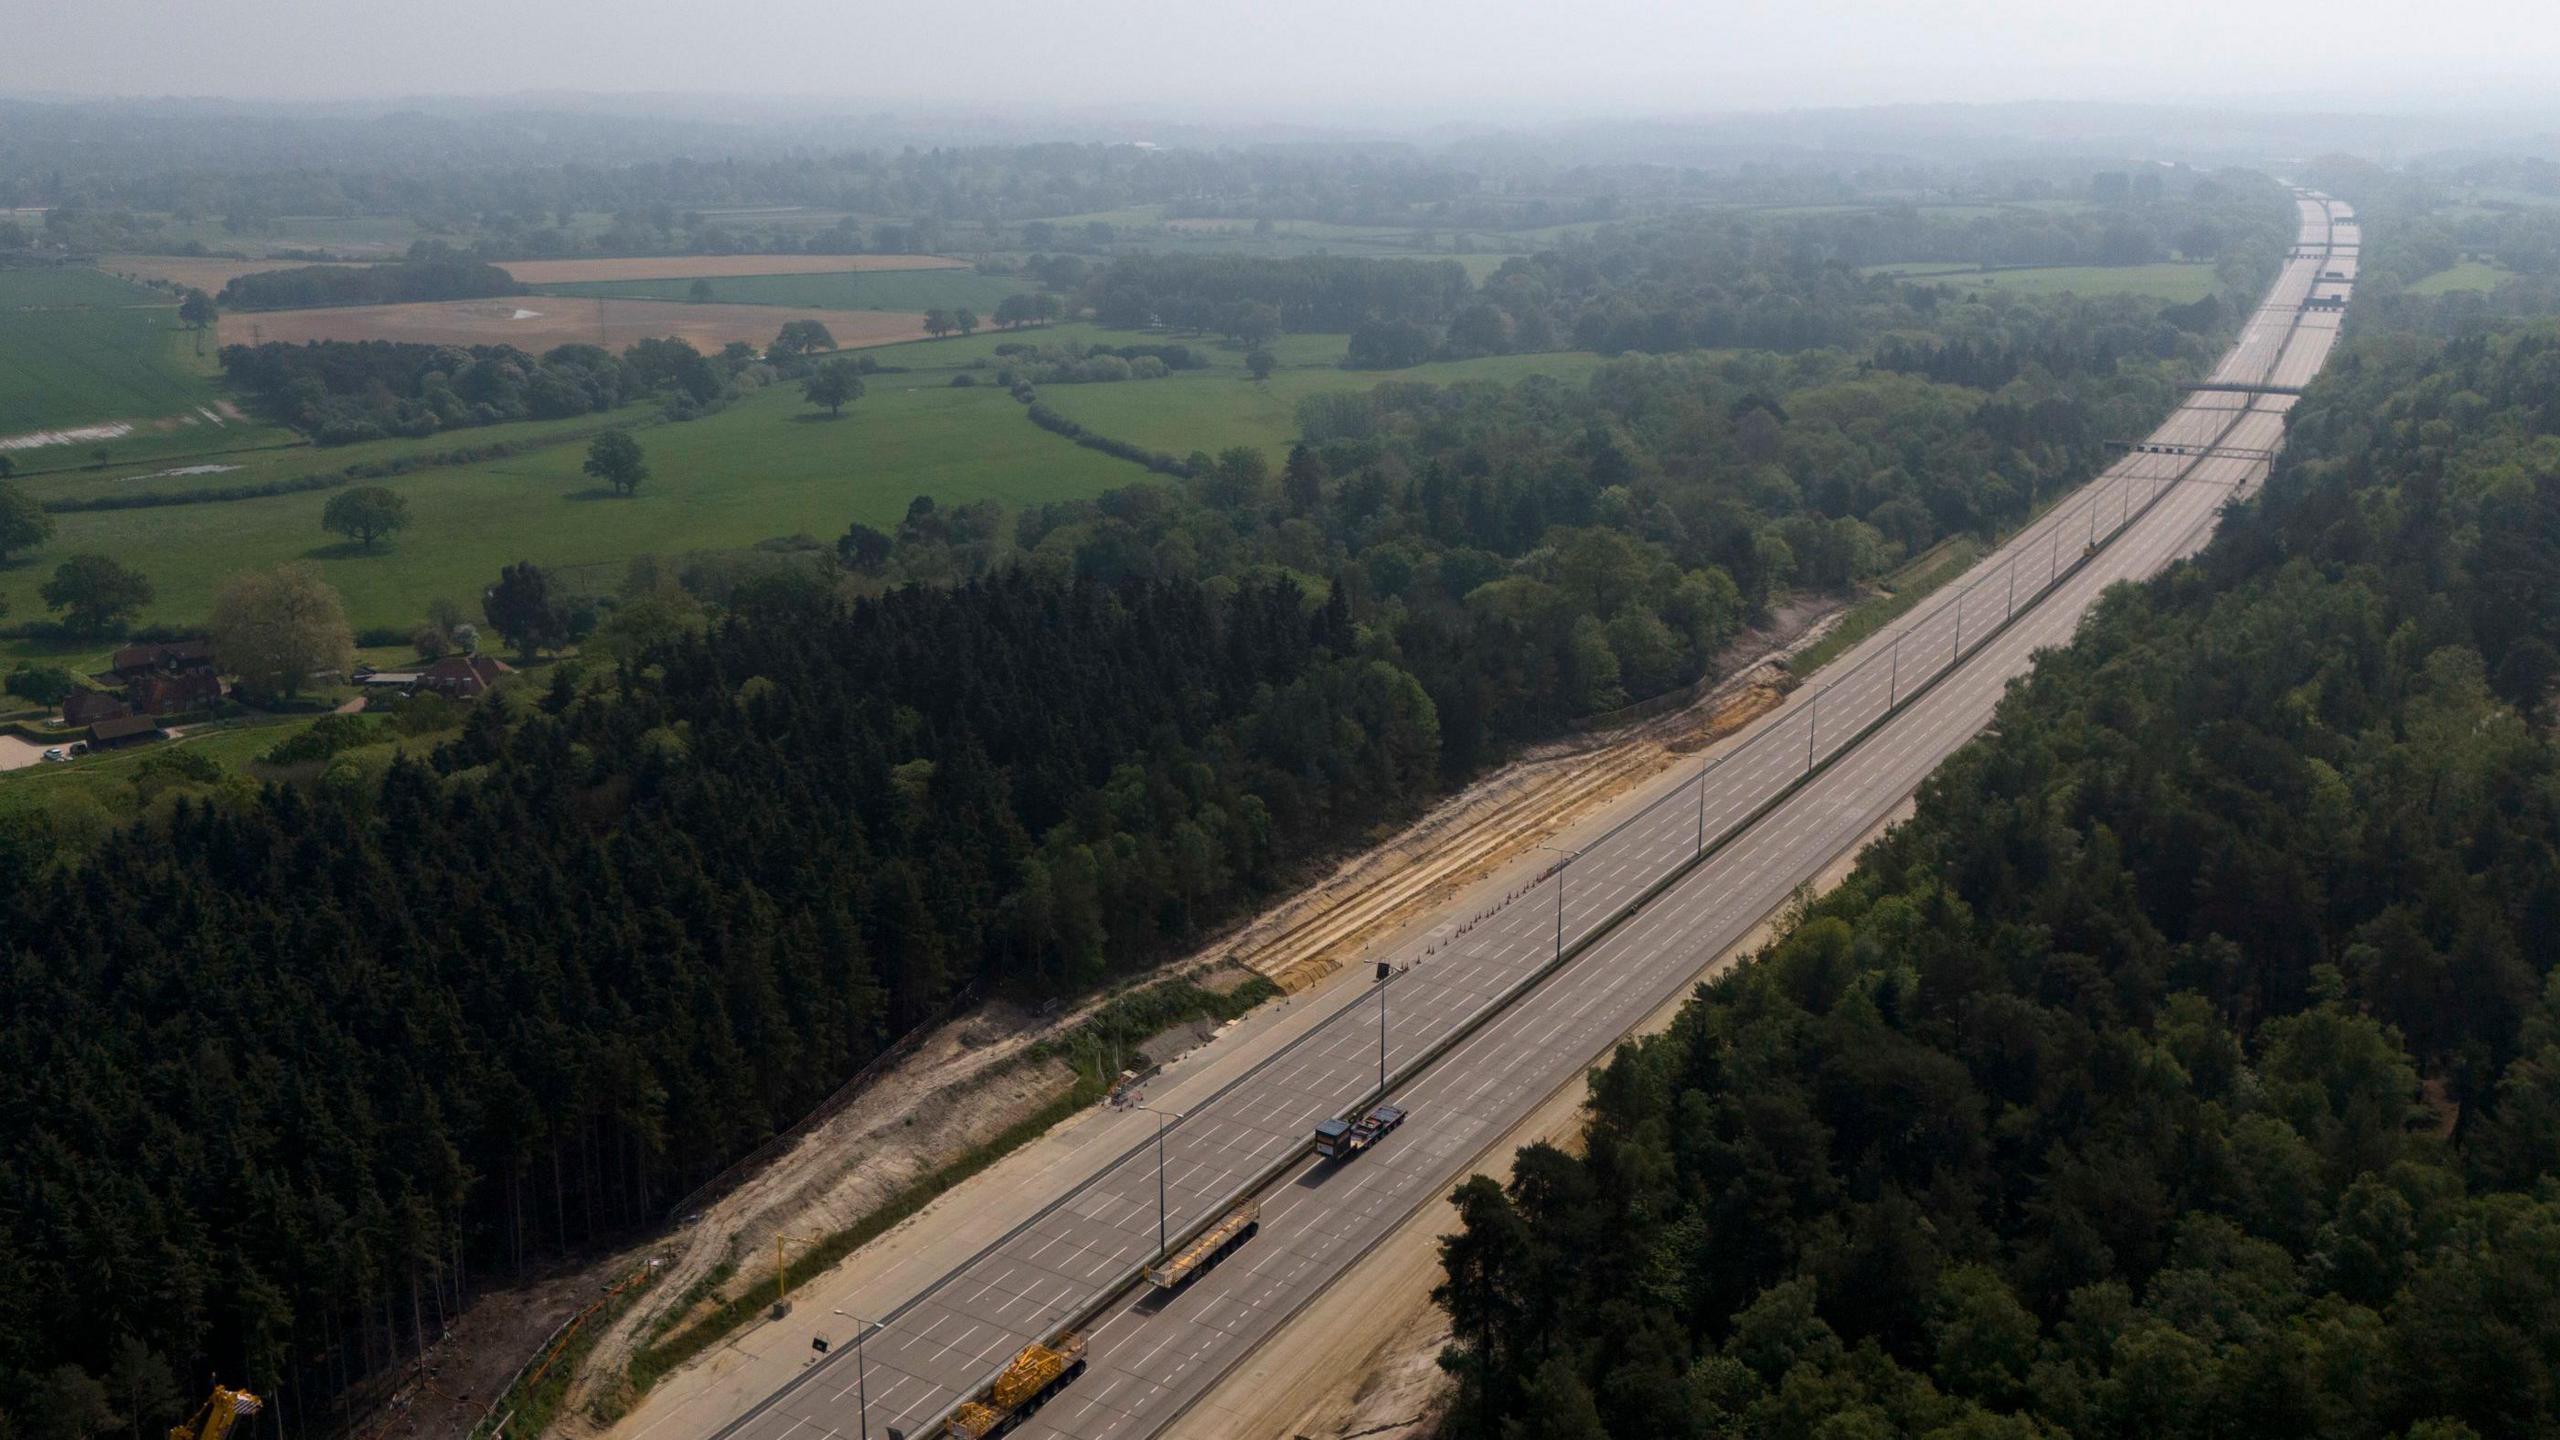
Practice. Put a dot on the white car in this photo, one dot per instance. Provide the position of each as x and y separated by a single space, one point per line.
56 754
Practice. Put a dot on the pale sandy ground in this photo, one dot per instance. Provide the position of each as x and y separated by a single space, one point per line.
535 323
17 754
1309 942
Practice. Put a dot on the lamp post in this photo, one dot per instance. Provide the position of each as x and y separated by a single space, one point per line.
861 1370
1161 1117
1569 857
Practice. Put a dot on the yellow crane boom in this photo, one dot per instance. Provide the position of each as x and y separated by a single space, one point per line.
220 1411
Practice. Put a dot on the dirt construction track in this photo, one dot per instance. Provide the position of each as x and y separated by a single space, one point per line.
536 323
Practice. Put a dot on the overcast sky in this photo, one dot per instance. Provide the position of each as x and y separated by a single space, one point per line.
1299 59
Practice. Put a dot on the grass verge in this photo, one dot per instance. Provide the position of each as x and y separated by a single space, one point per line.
1909 586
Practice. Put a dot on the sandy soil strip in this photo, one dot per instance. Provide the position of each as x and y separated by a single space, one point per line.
536 323
714 267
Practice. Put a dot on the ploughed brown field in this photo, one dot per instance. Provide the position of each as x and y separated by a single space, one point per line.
713 267
206 274
535 323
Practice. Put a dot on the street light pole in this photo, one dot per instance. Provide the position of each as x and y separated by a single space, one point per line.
1386 972
862 1329
1572 855
1161 1117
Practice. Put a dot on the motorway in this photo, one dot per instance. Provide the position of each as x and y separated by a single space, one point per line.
1492 1011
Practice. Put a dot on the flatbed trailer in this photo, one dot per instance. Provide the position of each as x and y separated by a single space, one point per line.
1207 1248
1342 1139
1039 1372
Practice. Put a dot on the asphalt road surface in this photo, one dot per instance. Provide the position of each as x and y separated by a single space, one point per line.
1486 1016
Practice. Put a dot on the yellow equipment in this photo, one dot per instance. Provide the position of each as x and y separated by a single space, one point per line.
214 1419
1207 1248
1039 1372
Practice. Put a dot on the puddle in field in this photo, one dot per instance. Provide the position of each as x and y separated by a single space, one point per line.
526 315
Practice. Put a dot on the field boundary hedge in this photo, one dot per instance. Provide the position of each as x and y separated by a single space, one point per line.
1156 460
325 480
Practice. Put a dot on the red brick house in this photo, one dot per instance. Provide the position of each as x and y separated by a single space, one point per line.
88 707
161 693
177 655
464 677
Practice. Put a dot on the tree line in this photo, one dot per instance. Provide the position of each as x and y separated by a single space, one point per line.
432 271
2189 1065
1711 281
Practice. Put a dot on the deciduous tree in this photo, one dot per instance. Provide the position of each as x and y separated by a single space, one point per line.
832 385
275 628
615 458
96 595
365 514
522 609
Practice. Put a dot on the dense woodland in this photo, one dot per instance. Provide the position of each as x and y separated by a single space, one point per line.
1694 282
341 391
431 272
288 1066
2188 1066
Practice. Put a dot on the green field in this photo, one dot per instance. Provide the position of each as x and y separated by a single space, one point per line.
903 290
2173 281
2467 275
1212 410
106 779
762 468
288 458
78 347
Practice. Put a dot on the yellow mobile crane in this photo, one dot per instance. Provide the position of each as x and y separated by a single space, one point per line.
214 1419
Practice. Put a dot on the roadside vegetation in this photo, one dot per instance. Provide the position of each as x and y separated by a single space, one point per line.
2188 1060
832 715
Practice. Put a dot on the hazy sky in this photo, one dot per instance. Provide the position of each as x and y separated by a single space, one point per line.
1301 59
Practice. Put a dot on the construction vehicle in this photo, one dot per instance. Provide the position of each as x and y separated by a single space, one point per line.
1039 1372
1207 1248
215 1417
1342 1139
